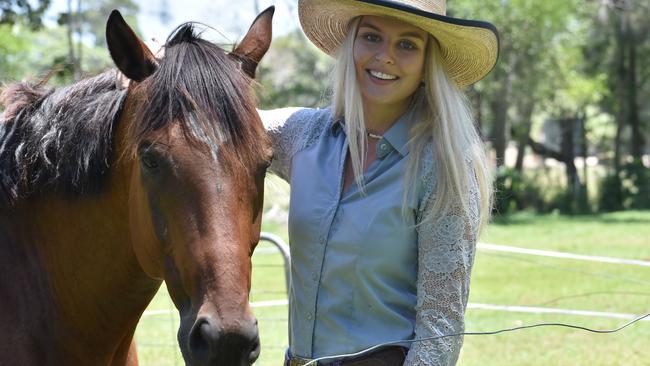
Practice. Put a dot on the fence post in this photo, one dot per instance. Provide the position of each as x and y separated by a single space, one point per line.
284 250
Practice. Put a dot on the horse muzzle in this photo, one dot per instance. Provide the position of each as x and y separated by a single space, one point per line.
210 344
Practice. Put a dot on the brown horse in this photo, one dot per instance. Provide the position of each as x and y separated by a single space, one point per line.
108 188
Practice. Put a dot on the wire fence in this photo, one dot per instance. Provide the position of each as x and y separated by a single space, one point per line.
269 298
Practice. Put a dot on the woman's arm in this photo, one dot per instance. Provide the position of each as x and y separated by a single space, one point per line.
446 247
290 130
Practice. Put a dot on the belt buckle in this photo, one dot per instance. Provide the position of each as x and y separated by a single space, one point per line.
298 361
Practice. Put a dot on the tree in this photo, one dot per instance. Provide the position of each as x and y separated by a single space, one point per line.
21 11
526 74
294 73
620 48
85 20
12 49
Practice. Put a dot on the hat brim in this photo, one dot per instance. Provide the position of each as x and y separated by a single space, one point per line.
469 48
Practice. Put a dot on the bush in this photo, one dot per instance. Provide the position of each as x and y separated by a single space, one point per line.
627 189
538 190
516 192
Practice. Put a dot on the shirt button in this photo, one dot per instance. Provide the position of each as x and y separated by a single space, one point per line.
314 276
309 316
322 239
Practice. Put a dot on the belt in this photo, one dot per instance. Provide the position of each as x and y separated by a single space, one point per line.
295 361
388 356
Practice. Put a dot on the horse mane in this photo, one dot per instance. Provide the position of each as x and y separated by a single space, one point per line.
61 139
203 88
57 139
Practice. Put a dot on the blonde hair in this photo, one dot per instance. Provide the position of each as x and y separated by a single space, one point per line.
442 118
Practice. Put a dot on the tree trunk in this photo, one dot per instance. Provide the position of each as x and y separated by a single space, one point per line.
584 151
77 22
499 110
499 106
568 158
633 105
565 155
620 91
69 31
522 134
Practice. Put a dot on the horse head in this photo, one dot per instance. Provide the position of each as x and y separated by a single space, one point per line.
199 154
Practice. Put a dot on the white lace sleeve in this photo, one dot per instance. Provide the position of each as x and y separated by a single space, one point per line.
446 247
291 130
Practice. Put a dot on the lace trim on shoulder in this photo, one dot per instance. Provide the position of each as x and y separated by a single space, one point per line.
292 130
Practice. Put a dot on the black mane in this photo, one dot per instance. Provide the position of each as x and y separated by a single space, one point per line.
201 86
57 139
61 139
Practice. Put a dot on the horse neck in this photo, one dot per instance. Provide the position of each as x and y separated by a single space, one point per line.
97 284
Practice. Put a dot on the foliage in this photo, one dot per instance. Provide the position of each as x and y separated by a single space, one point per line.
559 59
13 50
627 189
21 11
529 69
539 190
618 47
90 18
293 73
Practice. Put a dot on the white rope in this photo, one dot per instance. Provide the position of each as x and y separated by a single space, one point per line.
539 310
548 253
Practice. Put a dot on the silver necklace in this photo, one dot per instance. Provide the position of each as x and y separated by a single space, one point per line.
373 136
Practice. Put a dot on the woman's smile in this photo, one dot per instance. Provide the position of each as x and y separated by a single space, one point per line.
382 77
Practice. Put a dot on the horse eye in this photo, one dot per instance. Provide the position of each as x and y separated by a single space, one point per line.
149 161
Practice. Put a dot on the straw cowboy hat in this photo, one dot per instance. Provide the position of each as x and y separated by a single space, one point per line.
469 47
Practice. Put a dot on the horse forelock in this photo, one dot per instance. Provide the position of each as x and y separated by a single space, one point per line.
199 86
57 139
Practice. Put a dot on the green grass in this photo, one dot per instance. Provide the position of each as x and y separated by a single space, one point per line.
499 279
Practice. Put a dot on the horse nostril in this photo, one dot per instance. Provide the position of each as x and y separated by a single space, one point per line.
255 351
202 341
212 345
253 334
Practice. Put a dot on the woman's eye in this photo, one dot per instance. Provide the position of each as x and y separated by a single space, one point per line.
407 45
371 37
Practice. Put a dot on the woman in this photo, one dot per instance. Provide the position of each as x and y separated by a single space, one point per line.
389 186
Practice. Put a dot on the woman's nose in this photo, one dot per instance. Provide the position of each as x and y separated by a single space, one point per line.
385 56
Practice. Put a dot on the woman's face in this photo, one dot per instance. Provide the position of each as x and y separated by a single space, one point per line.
389 60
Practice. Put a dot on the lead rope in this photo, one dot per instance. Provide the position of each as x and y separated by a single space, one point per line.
394 343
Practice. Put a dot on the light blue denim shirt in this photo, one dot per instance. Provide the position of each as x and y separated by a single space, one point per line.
355 278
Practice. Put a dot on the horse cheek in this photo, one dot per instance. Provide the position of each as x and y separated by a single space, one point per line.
146 244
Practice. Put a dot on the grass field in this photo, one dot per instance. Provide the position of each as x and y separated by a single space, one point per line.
498 279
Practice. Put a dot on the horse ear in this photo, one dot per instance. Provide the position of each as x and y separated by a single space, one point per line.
256 42
131 56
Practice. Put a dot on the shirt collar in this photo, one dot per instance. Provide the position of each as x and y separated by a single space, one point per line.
397 135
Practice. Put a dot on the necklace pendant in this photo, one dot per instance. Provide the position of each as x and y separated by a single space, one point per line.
374 136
